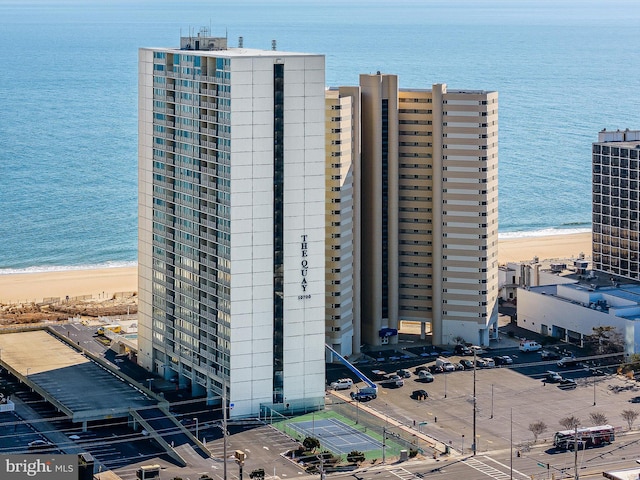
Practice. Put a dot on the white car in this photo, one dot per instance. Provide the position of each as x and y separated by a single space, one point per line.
342 384
490 362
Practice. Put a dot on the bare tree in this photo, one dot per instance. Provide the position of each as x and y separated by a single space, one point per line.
598 418
629 416
537 428
570 423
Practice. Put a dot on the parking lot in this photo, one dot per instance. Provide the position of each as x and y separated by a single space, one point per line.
508 398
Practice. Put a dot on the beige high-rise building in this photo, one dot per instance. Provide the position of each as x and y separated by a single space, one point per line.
429 206
342 289
615 203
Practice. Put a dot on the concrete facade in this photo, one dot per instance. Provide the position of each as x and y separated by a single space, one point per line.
343 237
429 210
570 311
231 222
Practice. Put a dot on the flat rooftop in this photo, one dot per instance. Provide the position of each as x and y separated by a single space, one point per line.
80 387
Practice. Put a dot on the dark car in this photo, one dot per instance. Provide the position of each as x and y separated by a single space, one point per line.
568 383
549 355
404 373
568 362
503 360
436 369
421 368
362 396
466 364
419 394
635 400
552 377
462 350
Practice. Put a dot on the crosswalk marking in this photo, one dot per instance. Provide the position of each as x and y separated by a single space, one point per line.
486 469
403 474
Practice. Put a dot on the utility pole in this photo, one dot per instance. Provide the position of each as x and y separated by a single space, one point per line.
473 444
575 454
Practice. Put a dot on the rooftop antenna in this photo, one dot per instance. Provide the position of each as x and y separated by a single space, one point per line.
273 45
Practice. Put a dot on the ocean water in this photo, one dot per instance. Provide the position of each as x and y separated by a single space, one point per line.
564 69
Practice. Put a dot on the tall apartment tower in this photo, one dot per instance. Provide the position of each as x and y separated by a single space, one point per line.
429 210
343 220
616 203
232 222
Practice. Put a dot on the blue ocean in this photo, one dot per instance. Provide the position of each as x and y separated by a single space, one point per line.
564 70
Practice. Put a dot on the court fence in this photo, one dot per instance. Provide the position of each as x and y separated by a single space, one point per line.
392 442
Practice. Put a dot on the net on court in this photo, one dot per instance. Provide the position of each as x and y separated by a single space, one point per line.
336 436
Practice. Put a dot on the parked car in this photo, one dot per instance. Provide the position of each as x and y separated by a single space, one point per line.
419 394
503 360
462 350
425 376
362 396
567 383
635 400
489 362
393 381
467 364
458 366
421 368
342 384
436 369
568 362
481 363
549 355
552 377
404 373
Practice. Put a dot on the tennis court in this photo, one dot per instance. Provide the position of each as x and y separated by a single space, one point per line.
336 436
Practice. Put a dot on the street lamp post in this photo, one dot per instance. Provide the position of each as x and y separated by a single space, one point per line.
594 391
196 420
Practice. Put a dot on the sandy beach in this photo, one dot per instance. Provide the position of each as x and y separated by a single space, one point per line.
561 247
103 283
99 283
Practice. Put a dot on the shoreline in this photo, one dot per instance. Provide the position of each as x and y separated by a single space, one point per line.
103 283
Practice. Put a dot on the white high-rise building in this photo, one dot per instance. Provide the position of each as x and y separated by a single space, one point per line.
232 222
